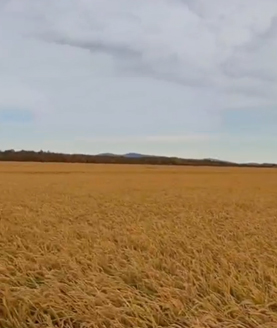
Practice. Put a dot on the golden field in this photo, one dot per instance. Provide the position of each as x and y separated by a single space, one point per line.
137 246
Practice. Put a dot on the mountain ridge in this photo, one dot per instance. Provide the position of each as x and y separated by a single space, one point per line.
128 155
109 158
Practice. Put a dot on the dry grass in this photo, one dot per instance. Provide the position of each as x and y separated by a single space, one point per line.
130 246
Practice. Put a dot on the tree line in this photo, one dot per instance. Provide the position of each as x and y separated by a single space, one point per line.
46 156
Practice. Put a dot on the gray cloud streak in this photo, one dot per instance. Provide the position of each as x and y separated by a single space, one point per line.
132 61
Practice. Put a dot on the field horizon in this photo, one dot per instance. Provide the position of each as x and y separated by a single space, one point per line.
96 245
127 158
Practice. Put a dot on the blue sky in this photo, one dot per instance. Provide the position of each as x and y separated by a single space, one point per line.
170 77
14 115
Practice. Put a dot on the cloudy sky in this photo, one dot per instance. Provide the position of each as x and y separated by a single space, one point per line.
190 78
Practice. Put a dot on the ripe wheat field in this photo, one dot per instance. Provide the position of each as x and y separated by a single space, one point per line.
137 246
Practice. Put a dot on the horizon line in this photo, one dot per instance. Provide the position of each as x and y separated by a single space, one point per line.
136 155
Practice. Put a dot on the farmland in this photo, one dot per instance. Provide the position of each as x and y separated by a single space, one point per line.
137 246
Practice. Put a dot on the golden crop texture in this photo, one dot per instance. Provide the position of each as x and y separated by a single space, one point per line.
137 246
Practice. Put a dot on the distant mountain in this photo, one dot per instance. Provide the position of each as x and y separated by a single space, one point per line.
110 158
107 154
134 155
128 155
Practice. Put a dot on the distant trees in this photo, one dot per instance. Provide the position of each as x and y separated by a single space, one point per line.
42 156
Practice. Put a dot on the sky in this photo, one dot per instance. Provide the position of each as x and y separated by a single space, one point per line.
187 78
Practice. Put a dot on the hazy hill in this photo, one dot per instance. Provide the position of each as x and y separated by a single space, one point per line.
109 158
128 155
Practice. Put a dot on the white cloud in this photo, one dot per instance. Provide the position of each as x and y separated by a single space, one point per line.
126 68
149 138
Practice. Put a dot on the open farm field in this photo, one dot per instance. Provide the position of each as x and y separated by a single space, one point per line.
137 246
